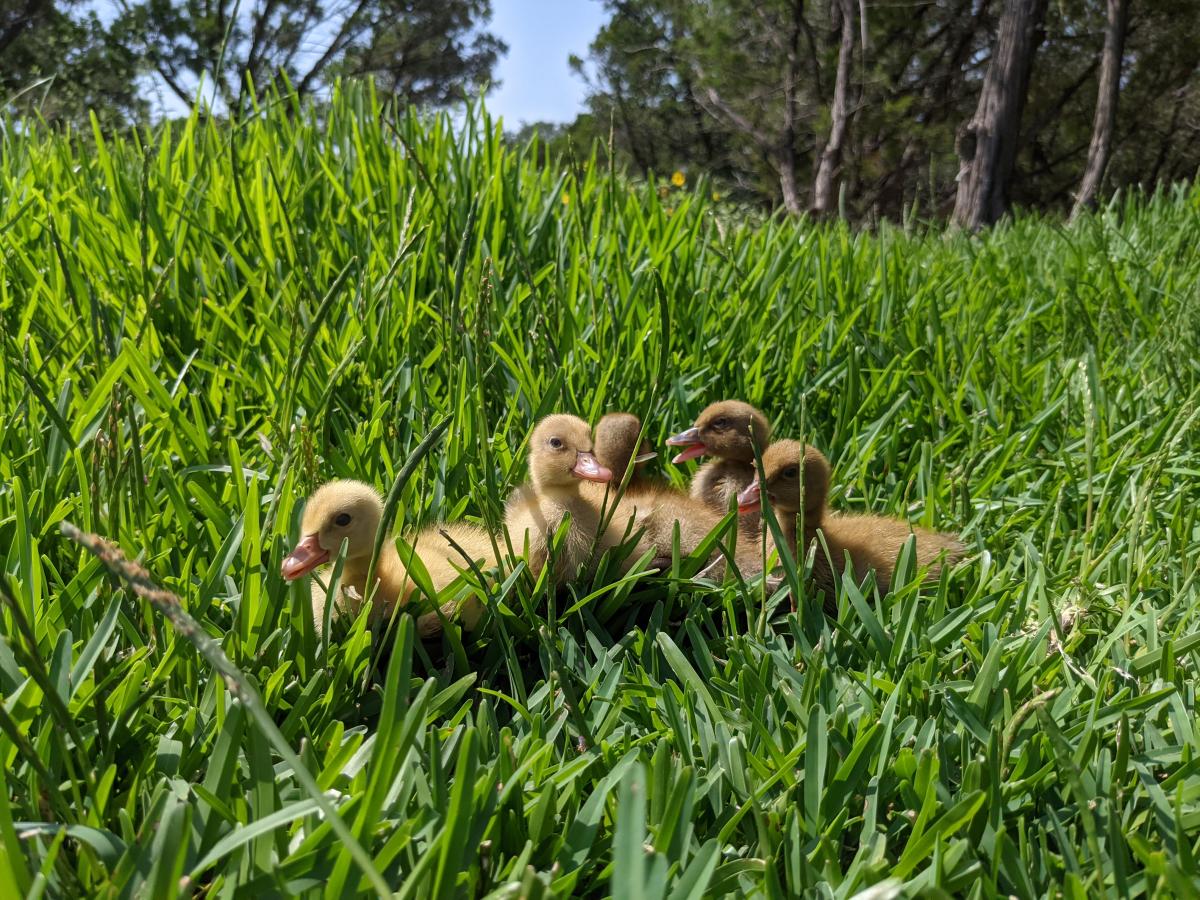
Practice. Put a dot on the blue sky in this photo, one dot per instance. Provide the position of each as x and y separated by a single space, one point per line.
537 85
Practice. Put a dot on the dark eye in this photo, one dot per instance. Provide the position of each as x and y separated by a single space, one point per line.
792 472
555 443
342 520
720 422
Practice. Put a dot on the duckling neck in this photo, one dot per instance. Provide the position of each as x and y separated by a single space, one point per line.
390 575
568 497
792 526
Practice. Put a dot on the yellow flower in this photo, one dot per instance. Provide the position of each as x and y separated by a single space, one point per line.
566 198
716 195
678 179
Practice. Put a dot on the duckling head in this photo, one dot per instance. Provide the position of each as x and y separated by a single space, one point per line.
728 428
561 453
616 442
796 476
337 510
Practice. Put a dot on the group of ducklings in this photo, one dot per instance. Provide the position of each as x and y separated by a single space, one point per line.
571 472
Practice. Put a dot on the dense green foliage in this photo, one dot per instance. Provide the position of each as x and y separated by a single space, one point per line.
202 325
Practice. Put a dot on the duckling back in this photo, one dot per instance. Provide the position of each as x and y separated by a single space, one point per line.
874 543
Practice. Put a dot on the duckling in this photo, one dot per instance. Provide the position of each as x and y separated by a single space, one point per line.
561 459
351 511
728 430
657 507
658 511
798 478
616 445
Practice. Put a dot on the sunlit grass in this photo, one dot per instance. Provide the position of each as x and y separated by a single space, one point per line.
202 325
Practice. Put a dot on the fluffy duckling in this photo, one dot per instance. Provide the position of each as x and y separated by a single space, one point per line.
658 511
728 430
617 447
561 459
798 478
652 507
351 511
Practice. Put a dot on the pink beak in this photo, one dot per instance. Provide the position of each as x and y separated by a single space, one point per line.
305 556
689 439
747 500
588 468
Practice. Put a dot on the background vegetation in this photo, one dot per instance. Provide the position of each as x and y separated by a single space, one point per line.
745 91
201 324
866 110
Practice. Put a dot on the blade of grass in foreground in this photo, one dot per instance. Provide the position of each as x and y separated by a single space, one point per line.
167 603
389 511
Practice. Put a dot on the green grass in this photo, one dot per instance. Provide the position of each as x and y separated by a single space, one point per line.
201 325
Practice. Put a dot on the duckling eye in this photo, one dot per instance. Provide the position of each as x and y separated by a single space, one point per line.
720 422
792 472
555 443
342 520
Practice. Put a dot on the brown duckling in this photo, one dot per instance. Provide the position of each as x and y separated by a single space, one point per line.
351 510
796 478
617 447
728 430
658 510
561 459
655 506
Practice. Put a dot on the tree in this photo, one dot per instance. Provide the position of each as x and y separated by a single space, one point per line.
1106 106
58 62
426 51
735 93
839 113
642 93
743 82
987 145
801 104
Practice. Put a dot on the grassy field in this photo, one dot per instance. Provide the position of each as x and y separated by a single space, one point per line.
201 325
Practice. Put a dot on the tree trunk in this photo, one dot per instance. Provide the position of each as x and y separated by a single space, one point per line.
786 155
831 155
786 164
987 145
1106 107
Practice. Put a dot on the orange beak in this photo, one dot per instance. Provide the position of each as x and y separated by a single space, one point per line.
588 468
748 499
305 556
689 439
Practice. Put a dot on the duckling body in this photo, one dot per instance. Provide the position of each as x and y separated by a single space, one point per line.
797 478
351 511
717 483
600 520
561 459
659 512
874 543
728 430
